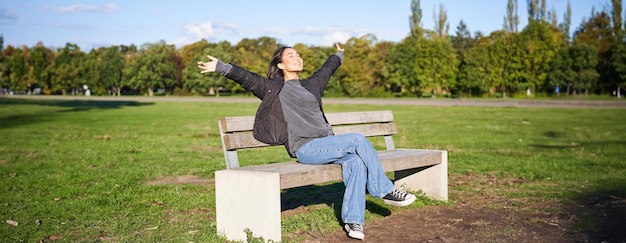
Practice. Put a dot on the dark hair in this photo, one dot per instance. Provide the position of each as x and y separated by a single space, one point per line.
272 70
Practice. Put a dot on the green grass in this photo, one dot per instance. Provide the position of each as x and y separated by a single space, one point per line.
76 169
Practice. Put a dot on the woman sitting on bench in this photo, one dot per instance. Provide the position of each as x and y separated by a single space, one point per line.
291 114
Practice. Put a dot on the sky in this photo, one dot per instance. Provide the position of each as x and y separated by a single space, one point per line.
96 23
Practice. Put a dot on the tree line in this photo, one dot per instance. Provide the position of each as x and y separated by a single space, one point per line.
540 58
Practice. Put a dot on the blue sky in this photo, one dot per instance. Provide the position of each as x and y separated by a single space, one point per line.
321 22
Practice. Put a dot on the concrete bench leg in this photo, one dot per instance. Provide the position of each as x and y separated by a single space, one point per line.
433 180
247 199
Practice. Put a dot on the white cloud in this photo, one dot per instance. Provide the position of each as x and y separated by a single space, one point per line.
84 8
324 36
210 30
330 38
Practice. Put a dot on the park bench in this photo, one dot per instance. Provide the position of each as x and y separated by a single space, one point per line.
249 197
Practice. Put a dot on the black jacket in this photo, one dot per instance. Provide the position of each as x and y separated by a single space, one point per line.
269 125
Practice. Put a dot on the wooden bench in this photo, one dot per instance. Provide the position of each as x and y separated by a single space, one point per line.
249 197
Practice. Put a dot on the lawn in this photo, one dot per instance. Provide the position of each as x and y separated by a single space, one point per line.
79 170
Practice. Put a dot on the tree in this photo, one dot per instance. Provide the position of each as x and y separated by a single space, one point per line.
67 69
574 68
507 57
562 73
511 20
567 22
584 63
209 83
617 60
533 10
4 82
415 20
111 69
256 53
378 65
462 42
152 68
474 74
89 72
40 61
597 31
356 71
18 70
436 65
541 43
189 52
441 22
400 63
617 19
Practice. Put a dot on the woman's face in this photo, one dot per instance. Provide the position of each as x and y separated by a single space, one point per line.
291 62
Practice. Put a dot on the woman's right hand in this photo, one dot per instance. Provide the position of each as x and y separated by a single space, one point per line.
208 66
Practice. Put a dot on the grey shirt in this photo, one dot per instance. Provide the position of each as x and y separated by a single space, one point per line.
304 118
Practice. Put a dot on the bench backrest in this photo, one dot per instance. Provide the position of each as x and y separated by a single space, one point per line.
236 132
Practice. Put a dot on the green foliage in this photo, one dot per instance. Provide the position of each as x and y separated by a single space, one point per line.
574 68
18 70
356 71
474 74
203 84
437 65
618 63
39 62
111 69
68 65
401 60
155 66
541 42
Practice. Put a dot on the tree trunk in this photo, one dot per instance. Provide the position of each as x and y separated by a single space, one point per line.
150 92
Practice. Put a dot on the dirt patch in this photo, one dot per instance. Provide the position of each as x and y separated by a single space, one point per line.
180 179
482 214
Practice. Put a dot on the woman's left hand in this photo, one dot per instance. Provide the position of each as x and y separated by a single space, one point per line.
338 47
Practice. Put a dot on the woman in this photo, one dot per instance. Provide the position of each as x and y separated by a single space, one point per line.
291 114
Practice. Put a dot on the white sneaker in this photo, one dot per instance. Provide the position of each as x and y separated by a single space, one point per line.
355 231
399 198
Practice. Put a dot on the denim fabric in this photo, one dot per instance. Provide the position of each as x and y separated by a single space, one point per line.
360 167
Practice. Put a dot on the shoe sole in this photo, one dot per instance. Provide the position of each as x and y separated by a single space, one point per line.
354 234
406 202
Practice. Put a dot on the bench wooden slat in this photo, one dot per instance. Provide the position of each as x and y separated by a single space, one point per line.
359 117
237 123
245 123
246 140
294 174
369 130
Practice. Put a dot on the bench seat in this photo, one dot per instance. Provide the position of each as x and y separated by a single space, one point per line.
294 174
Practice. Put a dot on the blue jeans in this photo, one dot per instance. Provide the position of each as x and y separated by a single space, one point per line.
360 168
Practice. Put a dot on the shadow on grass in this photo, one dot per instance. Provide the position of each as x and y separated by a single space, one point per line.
601 212
73 105
330 195
76 105
575 145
